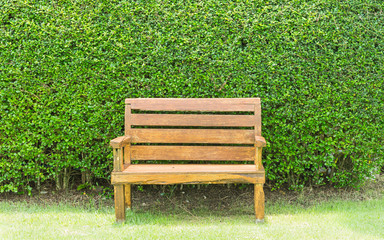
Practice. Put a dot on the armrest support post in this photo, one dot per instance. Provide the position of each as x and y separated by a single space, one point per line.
259 144
258 163
118 160
118 145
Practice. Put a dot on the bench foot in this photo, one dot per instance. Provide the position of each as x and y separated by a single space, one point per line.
259 202
127 197
119 203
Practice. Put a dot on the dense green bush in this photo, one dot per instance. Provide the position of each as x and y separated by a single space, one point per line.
66 67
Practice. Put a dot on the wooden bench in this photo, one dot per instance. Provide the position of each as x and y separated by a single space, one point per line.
204 132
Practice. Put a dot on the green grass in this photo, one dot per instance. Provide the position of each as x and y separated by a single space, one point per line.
327 220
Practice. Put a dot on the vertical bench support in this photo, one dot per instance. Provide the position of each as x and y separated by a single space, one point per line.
127 156
258 192
119 203
119 189
259 202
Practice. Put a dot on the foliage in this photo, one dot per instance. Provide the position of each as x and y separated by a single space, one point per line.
66 67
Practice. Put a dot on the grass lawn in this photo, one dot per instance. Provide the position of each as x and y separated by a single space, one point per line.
338 219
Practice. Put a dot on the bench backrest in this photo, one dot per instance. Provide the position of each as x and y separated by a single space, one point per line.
204 129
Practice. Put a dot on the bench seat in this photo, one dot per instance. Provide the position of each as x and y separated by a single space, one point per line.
188 174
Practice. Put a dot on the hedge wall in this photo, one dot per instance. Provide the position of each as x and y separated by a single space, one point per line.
66 67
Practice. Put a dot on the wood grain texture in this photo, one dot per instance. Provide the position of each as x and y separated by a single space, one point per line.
189 168
193 120
118 164
258 118
221 136
258 155
187 178
119 141
194 104
127 154
127 119
119 203
260 141
259 202
126 174
127 196
204 153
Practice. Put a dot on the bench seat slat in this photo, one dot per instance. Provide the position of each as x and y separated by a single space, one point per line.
196 104
188 174
220 136
193 120
204 153
196 178
190 168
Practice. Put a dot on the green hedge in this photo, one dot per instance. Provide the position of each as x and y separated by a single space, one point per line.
66 67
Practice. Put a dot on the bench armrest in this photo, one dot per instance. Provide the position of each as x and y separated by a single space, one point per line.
120 141
260 141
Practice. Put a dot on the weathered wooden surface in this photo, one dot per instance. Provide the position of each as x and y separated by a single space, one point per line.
127 156
119 203
258 155
127 196
194 104
204 153
259 202
259 141
117 159
193 120
127 119
221 136
120 141
134 145
189 174
187 178
189 168
257 111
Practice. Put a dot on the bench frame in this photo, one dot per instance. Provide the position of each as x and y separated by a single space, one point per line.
125 173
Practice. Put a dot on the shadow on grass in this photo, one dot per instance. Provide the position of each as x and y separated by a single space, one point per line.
353 218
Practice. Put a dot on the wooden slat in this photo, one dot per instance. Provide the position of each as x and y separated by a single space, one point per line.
220 136
205 153
189 174
193 104
189 168
193 120
197 178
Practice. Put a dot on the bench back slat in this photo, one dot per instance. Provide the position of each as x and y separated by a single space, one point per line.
193 120
212 136
203 153
194 104
186 122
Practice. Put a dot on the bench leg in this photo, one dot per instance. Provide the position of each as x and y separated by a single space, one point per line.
128 196
119 203
259 202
